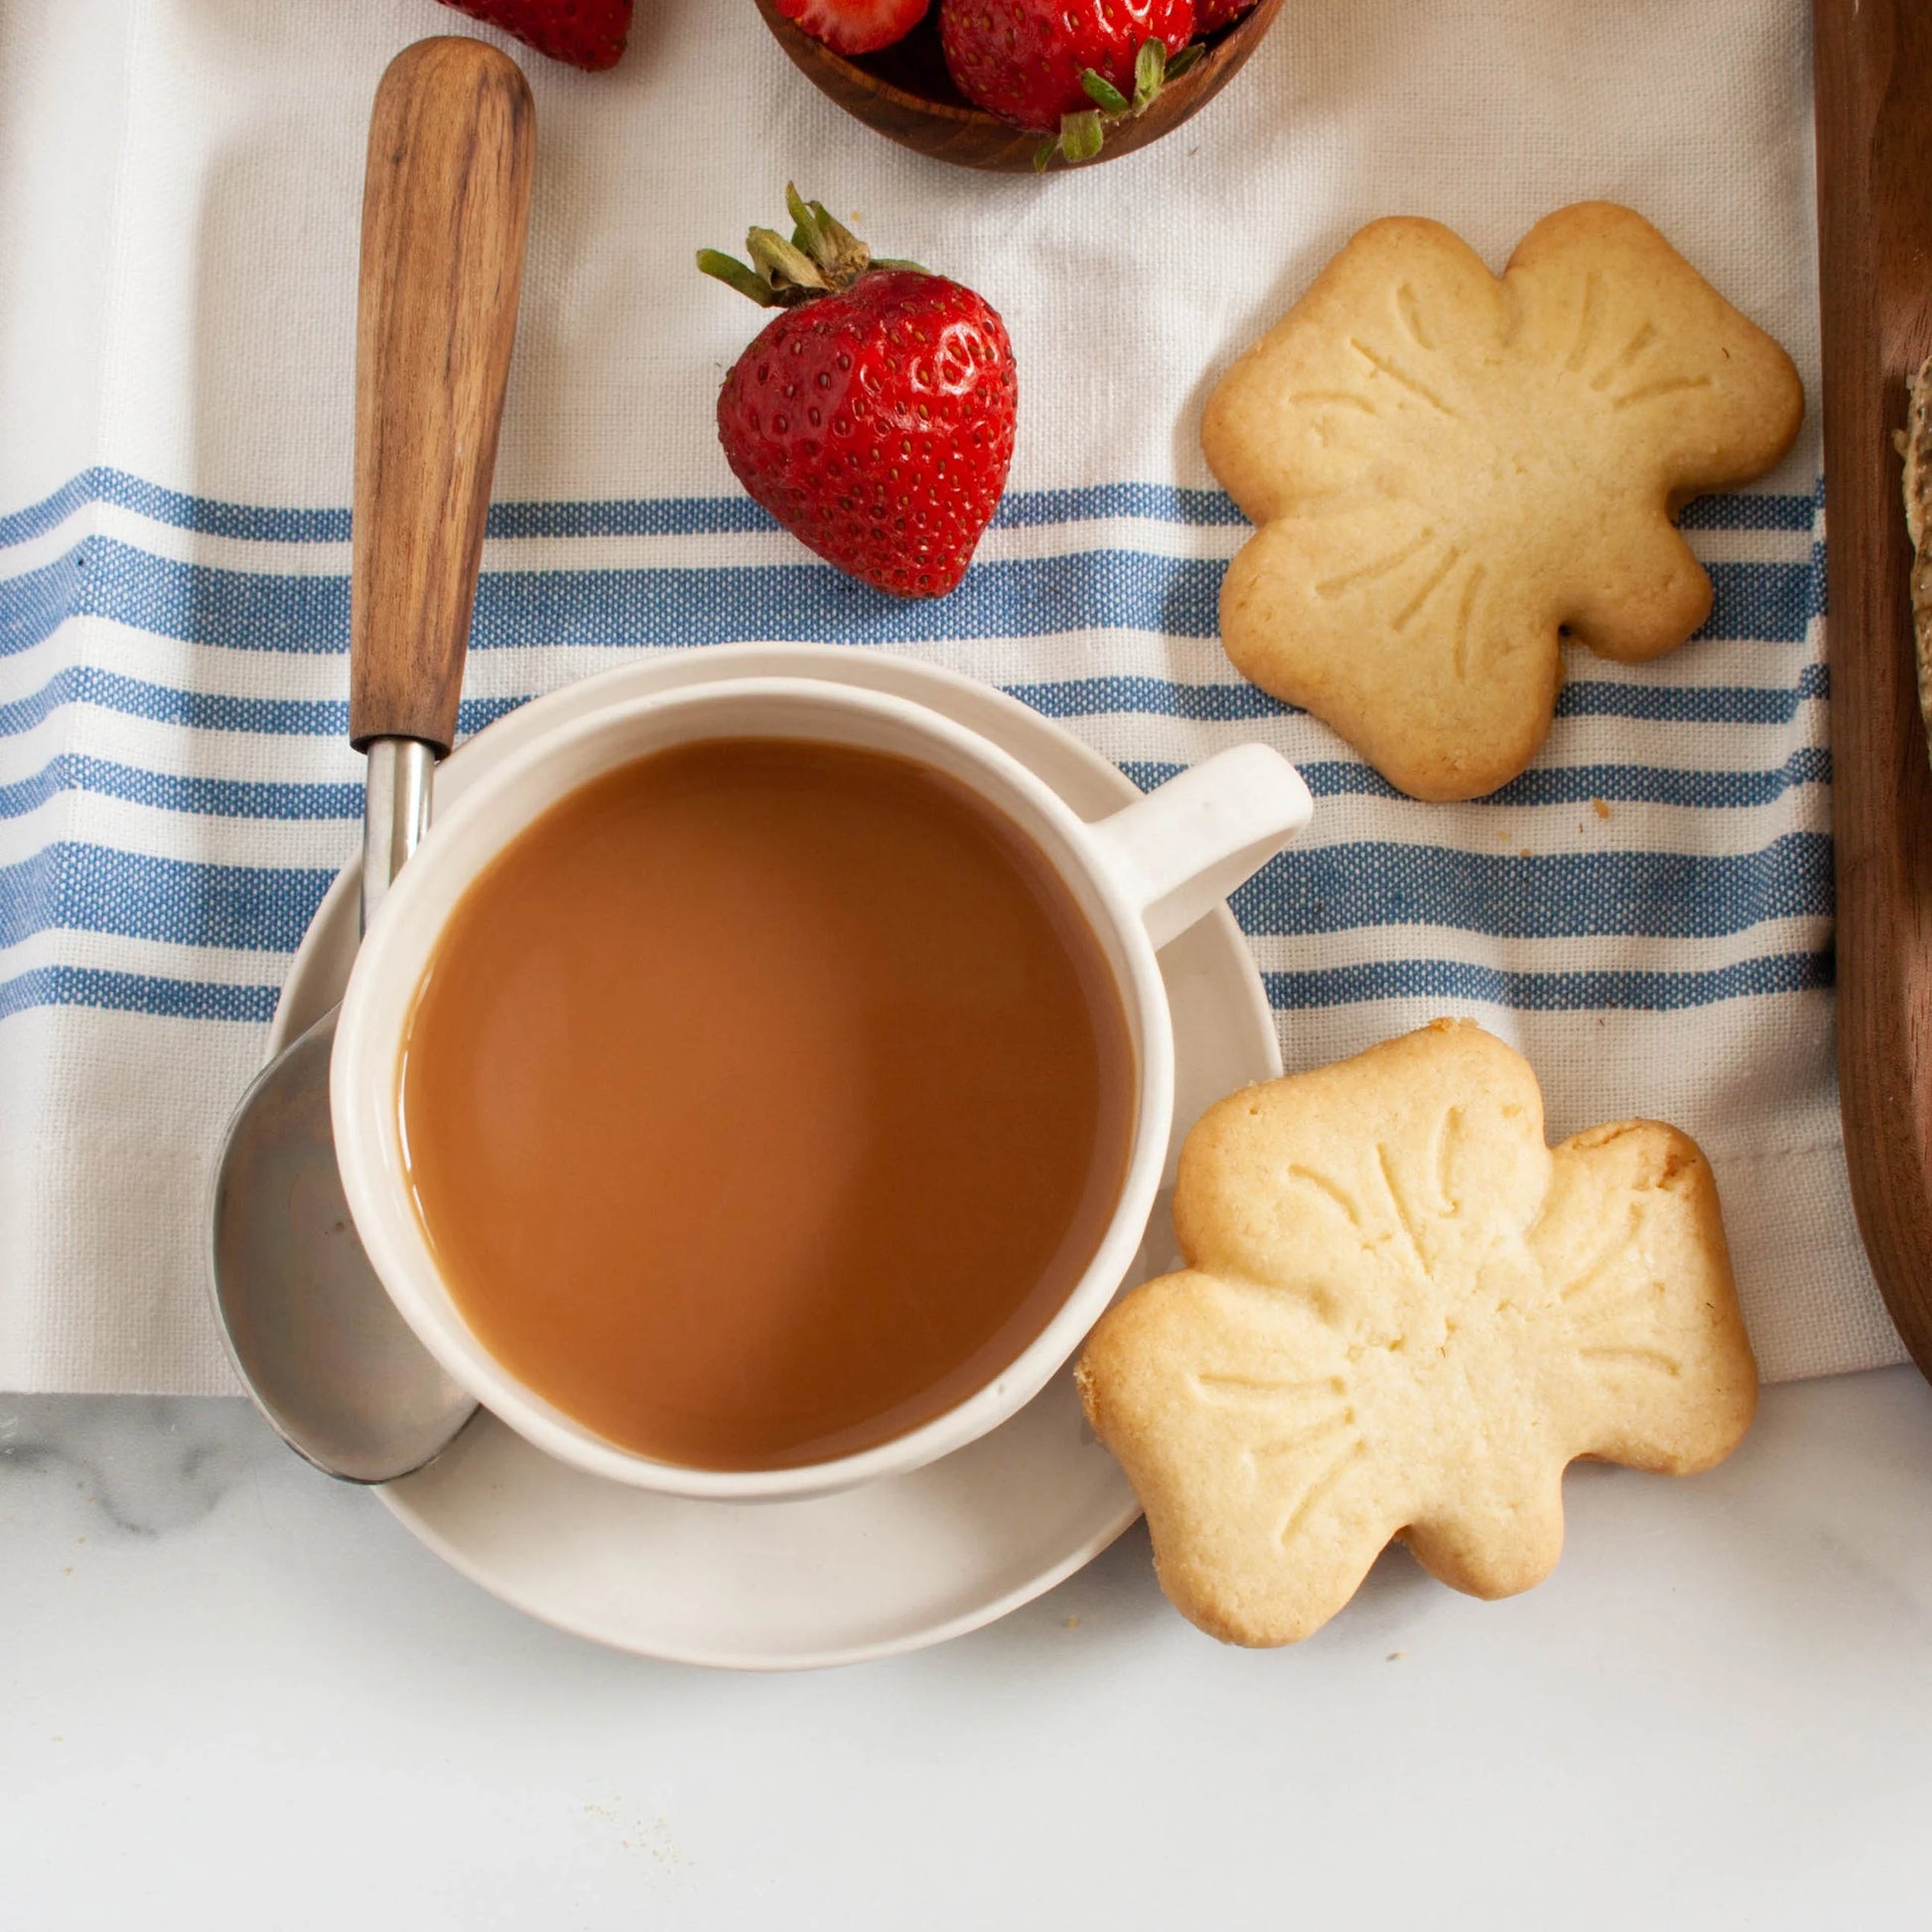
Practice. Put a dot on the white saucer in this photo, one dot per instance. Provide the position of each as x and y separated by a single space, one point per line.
897 1564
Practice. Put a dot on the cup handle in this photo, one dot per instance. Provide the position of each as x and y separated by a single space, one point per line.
1175 854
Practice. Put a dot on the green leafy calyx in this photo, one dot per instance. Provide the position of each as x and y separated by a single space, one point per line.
1083 131
821 258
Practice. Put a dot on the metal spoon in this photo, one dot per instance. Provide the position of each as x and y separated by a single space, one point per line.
446 206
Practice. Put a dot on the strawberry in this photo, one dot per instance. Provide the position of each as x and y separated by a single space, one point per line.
586 33
873 417
1210 16
1065 68
854 26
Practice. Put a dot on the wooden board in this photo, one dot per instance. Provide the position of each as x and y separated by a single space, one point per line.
1873 63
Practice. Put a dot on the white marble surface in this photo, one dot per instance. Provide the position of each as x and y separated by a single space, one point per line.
236 1694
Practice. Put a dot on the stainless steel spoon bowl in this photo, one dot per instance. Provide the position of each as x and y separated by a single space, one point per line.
446 207
311 1332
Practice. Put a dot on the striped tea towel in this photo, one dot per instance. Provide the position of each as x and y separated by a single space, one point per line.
1647 911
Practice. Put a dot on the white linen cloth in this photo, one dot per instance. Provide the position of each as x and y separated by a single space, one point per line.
180 188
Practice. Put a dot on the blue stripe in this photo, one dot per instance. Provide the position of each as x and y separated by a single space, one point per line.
634 516
238 610
1449 981
1452 979
34 605
174 508
22 525
1071 698
1645 784
1773 603
78 888
168 792
1020 509
1024 509
1567 784
1096 697
617 608
720 515
1747 511
1127 590
1695 704
265 800
206 710
1662 894
1715 703
651 516
88 985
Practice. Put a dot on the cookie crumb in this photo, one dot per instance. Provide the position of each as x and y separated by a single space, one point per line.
1073 1623
1601 806
1396 1656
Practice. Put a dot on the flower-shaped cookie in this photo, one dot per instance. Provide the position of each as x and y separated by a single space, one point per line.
1451 471
1403 1316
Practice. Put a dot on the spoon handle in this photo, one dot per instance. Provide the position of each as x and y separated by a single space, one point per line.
446 207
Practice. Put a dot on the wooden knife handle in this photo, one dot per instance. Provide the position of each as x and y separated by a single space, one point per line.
1873 65
446 208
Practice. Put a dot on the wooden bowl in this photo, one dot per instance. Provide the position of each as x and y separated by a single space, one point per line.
905 93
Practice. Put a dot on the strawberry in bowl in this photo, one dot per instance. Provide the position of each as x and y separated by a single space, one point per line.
1066 69
1021 85
873 415
854 26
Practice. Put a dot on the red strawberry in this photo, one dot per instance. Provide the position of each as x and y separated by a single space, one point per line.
856 26
874 418
1064 66
586 33
1210 16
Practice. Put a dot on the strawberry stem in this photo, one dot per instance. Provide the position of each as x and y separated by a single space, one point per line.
822 256
807 232
1150 69
734 274
1083 131
1081 134
780 263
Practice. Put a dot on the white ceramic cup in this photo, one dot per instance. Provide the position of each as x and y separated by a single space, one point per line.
1141 876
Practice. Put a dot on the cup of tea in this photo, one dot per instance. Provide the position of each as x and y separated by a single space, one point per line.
759 1089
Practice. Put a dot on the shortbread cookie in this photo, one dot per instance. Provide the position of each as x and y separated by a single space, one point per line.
1402 1316
1451 471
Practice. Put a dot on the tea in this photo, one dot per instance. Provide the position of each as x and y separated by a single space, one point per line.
763 1099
